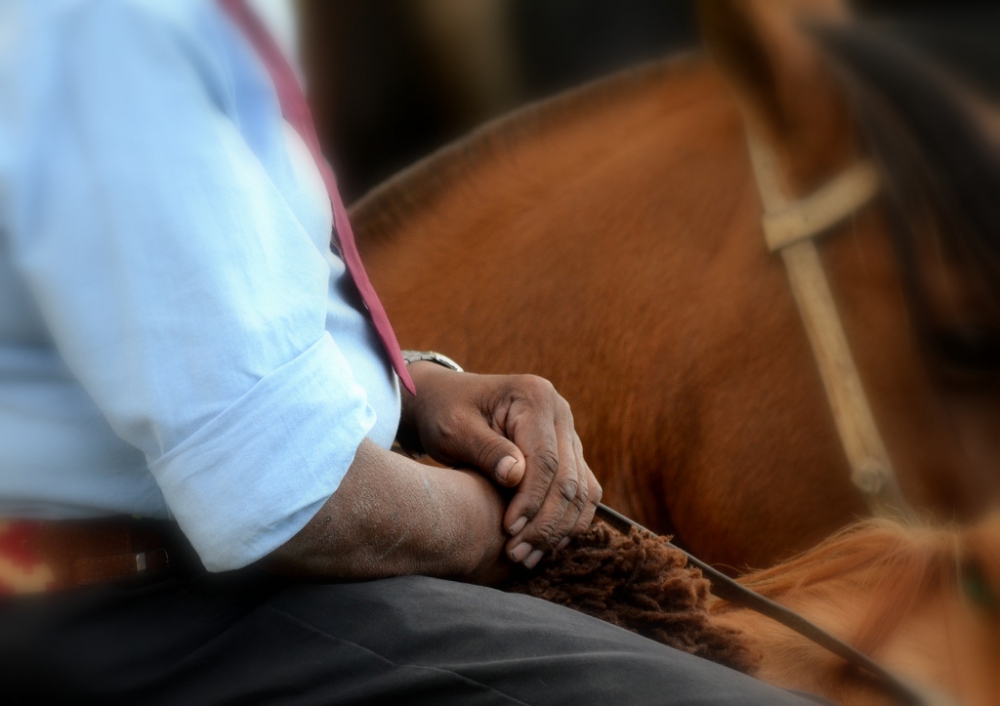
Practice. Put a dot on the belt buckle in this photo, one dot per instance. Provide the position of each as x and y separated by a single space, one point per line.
151 560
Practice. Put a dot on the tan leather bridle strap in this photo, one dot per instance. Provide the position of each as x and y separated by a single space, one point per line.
789 227
803 219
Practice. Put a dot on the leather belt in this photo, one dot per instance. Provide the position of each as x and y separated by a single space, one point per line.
42 555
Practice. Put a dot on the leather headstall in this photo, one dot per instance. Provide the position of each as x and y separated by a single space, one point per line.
790 227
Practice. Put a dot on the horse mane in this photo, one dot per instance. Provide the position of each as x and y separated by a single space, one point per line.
378 215
940 166
896 567
641 583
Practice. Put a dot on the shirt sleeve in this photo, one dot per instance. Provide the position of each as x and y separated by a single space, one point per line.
176 281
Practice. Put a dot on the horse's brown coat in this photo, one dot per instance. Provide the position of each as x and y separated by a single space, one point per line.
610 241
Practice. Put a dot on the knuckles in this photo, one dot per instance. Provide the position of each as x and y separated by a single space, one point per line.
548 461
533 388
572 492
546 533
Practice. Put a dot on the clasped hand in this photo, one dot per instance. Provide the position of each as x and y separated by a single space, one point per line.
518 431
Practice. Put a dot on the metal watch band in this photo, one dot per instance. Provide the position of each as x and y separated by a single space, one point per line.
433 357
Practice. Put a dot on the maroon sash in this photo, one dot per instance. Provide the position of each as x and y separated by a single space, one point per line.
295 110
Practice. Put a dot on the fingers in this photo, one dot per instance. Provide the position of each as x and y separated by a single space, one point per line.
549 501
594 493
558 495
587 516
556 522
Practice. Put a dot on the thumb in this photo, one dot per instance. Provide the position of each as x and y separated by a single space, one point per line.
509 470
496 454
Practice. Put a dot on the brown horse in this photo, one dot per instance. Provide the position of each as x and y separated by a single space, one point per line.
925 603
610 240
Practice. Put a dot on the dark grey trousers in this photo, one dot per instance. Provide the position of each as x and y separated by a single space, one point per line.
252 639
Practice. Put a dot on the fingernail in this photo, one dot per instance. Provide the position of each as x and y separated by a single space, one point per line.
563 544
503 468
518 525
520 552
534 558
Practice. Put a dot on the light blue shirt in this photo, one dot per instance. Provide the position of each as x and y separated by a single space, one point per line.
176 339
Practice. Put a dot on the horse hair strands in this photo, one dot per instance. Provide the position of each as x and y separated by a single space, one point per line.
642 584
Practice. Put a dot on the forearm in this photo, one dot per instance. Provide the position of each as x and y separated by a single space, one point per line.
392 516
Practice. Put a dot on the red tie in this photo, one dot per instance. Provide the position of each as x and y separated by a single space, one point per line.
296 111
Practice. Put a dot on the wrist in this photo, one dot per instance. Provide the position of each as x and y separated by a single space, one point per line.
476 529
423 366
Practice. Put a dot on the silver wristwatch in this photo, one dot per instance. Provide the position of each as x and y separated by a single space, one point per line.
433 357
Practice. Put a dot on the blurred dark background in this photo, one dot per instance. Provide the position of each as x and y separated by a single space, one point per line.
392 80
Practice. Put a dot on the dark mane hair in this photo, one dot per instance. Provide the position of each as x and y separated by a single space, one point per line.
939 166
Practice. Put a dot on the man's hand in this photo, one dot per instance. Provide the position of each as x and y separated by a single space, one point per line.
519 431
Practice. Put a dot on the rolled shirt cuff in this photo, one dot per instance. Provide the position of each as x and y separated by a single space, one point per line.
251 478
